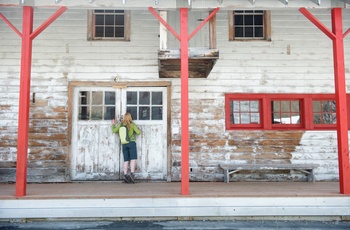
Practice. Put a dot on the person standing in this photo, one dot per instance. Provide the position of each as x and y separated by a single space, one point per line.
129 149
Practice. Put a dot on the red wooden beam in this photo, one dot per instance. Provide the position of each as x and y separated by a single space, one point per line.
184 38
340 92
24 97
203 23
184 102
317 23
164 23
10 25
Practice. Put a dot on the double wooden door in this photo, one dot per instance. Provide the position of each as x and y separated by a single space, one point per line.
96 152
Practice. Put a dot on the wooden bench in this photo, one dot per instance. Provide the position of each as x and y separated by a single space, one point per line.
233 168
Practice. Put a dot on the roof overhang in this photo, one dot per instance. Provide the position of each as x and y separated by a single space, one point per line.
176 4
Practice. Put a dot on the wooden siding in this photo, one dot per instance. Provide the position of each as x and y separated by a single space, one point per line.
298 59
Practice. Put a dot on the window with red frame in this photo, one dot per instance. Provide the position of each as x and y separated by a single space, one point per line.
281 111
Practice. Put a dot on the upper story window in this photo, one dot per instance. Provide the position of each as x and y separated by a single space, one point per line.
281 111
249 25
109 25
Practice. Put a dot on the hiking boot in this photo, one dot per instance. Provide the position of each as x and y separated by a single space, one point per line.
132 177
127 178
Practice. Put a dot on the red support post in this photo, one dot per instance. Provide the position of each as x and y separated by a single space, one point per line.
337 37
23 114
184 102
340 93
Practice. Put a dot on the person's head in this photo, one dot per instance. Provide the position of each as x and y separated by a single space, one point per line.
127 119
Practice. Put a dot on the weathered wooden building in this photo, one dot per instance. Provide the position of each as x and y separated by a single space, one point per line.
261 88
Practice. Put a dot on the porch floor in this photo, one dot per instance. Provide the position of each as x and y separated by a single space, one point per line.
164 200
117 189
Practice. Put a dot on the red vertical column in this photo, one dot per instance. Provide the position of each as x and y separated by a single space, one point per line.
340 93
184 102
23 114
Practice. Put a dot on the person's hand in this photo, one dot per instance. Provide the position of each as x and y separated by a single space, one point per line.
113 122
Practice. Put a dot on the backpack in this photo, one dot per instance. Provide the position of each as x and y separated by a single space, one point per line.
124 134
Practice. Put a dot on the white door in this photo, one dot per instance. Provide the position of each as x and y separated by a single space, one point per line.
96 151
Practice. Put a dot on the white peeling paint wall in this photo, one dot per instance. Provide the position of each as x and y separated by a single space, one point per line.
299 59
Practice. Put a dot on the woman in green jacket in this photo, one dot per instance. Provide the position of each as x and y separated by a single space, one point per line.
129 149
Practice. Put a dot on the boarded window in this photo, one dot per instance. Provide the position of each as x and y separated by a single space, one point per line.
109 25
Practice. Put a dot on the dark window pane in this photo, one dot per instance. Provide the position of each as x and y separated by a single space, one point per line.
131 98
109 98
133 111
83 113
157 113
259 32
144 113
238 32
109 113
119 20
84 98
258 20
248 20
109 32
119 11
238 20
144 98
99 11
99 32
109 20
249 11
119 32
157 98
248 32
109 11
99 20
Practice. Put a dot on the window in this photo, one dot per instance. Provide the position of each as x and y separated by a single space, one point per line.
324 112
109 25
96 105
249 25
244 113
145 105
280 111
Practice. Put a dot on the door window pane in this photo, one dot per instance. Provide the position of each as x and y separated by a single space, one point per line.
144 98
109 113
157 113
157 98
131 98
133 111
96 105
144 113
109 98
